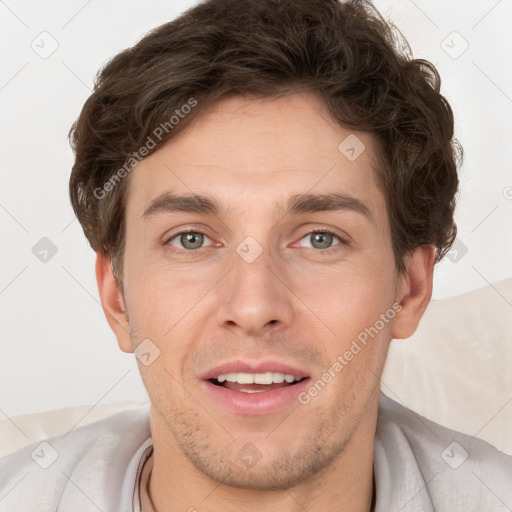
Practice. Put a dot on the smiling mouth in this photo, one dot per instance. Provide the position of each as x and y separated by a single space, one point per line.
255 382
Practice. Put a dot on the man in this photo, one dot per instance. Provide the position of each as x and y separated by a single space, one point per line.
263 182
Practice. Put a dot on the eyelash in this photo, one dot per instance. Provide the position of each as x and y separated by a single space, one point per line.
321 251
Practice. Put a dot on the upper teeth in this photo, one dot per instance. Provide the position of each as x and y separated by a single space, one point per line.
257 378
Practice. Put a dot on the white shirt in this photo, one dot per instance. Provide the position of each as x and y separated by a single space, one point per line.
419 467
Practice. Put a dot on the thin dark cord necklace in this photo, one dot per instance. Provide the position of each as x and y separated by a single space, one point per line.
149 495
153 508
374 493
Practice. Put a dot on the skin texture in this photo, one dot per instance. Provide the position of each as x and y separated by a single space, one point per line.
292 304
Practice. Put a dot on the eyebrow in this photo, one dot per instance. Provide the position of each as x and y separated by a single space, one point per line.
169 202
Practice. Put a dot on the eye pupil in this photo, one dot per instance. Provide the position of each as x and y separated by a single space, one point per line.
324 239
192 240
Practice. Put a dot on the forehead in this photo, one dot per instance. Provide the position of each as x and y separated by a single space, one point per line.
251 154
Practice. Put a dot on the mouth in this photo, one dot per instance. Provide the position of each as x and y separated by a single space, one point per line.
254 389
255 382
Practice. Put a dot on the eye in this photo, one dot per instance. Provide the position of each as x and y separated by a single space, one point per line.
188 240
321 240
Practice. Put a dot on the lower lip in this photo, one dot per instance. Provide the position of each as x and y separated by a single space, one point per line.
264 402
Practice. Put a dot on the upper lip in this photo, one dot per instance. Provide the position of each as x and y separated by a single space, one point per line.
240 366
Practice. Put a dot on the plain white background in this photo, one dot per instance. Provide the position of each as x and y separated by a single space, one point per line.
56 348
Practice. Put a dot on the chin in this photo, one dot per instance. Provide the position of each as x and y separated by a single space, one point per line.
270 467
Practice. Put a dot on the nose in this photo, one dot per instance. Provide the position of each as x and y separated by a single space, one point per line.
254 296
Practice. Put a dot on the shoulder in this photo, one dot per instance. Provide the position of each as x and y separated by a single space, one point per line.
83 468
418 461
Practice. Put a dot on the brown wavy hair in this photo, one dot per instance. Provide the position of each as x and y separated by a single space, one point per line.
346 53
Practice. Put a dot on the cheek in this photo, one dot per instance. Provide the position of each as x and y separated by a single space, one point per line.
358 339
347 297
352 317
167 305
355 349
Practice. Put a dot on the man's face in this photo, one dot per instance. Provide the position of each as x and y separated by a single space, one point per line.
263 291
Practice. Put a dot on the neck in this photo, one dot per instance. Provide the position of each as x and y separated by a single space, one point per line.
346 484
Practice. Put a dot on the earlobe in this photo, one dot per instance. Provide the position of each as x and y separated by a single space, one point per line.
112 302
414 291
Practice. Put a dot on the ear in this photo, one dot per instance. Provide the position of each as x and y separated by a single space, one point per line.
112 302
414 290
